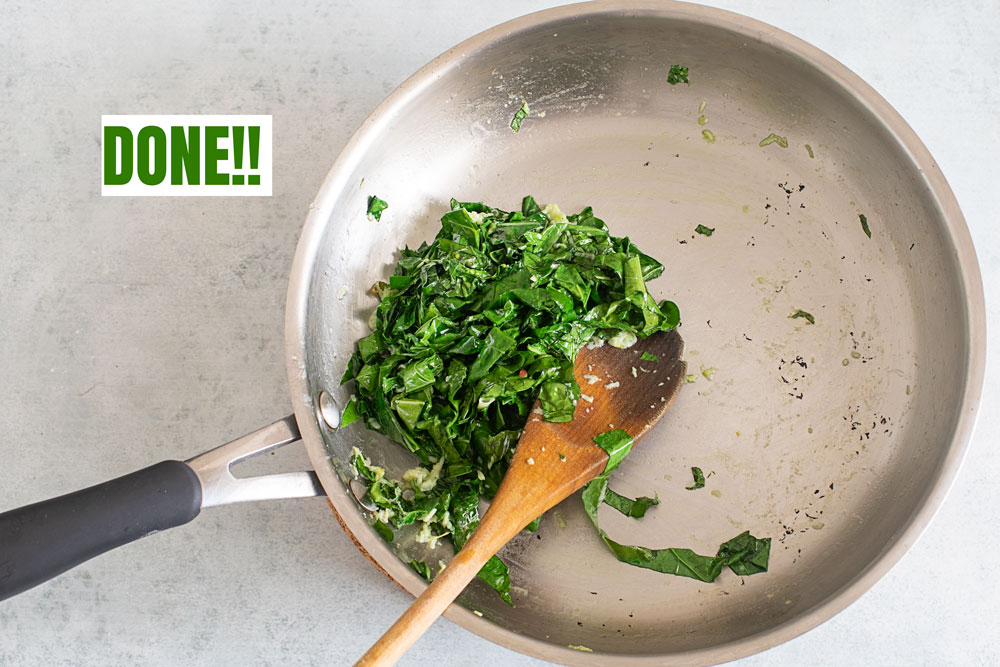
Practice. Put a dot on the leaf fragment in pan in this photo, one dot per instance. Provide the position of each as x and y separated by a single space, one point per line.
699 479
808 317
519 115
376 206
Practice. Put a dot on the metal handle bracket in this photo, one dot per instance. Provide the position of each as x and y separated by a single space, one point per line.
219 485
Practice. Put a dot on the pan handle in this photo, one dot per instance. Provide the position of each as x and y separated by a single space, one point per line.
41 541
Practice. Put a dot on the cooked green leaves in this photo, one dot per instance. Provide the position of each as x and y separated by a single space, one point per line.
649 356
699 479
350 414
495 574
804 315
384 531
489 316
743 554
421 568
471 329
519 115
864 225
633 508
705 231
438 510
677 74
746 554
617 443
376 206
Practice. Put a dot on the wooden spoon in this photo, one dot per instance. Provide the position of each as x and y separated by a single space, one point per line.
552 461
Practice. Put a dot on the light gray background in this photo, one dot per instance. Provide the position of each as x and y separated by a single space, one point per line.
133 330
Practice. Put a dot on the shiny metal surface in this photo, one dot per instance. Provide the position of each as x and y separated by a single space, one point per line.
220 487
838 439
327 410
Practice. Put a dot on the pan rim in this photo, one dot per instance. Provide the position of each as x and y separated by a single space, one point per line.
968 269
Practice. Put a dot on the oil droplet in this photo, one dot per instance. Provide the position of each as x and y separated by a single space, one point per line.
855 354
845 362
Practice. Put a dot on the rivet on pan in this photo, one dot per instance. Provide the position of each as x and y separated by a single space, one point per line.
327 410
358 490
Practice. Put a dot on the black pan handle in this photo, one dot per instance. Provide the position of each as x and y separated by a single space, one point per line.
43 540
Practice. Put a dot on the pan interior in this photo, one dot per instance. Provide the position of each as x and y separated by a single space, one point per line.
826 437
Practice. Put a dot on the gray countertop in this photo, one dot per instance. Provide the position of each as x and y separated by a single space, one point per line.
133 330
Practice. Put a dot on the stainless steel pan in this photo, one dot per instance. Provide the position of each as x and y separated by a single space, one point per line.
838 439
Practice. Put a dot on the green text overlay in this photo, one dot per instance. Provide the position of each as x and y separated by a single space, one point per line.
186 155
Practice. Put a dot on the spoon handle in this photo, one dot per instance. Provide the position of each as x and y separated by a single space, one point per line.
495 530
538 478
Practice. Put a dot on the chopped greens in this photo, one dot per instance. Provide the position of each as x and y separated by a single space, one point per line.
633 508
471 329
864 225
649 356
384 531
496 574
774 139
708 136
519 115
617 443
699 479
743 554
801 313
350 414
702 229
421 568
677 74
376 206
